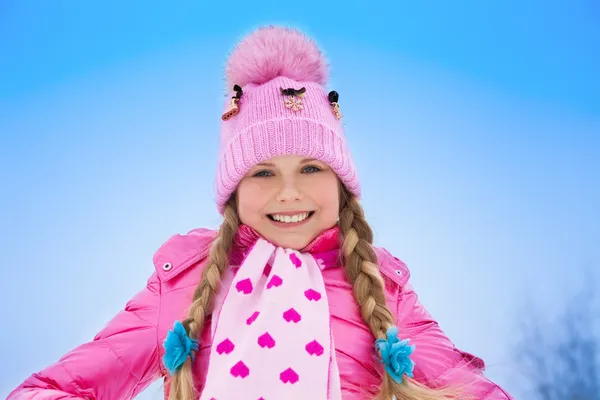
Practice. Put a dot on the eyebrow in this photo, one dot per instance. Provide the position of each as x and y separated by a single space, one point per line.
304 160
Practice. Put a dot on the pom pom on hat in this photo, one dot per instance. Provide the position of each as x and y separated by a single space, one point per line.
271 52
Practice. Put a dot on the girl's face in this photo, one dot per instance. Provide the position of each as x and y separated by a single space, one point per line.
289 200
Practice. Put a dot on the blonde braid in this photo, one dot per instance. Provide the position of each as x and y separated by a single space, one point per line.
182 383
363 273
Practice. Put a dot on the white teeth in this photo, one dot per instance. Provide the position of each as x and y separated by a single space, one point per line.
290 218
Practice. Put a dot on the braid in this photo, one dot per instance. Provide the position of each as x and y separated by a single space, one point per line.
182 384
363 273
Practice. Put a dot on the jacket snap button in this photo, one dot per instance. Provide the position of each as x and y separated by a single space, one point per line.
398 272
167 266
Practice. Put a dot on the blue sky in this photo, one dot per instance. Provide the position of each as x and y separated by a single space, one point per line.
475 127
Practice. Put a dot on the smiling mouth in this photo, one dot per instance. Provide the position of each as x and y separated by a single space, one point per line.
290 219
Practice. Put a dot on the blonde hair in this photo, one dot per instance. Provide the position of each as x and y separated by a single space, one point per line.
362 272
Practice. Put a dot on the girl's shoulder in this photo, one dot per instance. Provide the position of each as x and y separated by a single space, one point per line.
392 268
181 252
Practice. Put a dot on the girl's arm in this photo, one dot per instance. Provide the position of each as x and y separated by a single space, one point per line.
121 361
437 360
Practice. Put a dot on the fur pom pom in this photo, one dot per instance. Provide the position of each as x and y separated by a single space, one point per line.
270 52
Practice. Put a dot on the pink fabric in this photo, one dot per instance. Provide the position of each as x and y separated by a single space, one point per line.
326 245
272 334
273 51
263 63
124 357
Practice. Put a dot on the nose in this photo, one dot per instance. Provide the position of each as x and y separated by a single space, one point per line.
289 192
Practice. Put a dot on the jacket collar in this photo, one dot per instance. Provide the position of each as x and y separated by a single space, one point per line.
325 247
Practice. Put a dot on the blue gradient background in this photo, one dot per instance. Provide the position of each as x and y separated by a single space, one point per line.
475 126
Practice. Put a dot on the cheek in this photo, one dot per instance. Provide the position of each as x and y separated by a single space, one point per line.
251 201
326 195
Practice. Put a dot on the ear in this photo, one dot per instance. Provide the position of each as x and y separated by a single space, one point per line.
344 194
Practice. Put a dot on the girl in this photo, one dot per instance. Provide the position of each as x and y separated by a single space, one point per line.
289 299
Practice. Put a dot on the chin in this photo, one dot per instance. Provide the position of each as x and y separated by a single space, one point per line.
291 243
294 241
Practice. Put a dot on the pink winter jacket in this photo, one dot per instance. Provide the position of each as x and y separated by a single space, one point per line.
125 357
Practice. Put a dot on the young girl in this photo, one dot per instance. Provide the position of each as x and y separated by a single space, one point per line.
289 299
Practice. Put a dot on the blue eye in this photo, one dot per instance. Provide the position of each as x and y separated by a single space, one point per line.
311 169
263 174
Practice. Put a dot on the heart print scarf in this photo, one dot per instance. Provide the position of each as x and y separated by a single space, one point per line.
272 336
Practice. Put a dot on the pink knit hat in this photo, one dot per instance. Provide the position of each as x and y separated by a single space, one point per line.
279 107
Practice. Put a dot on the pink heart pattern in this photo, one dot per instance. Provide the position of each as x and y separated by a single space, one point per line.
252 318
312 295
275 281
267 270
225 347
314 348
292 315
295 260
279 299
240 370
265 340
289 376
245 286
